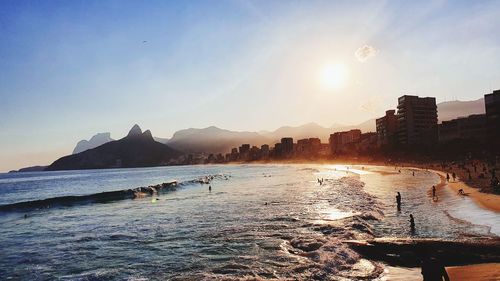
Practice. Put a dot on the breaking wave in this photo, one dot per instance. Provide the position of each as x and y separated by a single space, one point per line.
108 196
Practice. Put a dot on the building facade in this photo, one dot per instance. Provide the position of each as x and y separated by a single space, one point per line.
387 128
287 147
417 120
471 127
341 142
492 107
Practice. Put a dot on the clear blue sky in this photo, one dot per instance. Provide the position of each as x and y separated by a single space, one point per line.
70 69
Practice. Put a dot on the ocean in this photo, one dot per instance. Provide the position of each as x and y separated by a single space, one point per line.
257 222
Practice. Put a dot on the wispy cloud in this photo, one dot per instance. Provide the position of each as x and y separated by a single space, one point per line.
365 52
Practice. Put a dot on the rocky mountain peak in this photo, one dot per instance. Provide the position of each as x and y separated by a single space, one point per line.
135 131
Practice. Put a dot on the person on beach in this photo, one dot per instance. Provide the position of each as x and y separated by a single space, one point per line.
454 176
447 177
209 188
433 270
398 201
413 173
412 225
433 191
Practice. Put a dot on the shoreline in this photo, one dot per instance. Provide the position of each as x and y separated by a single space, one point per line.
487 201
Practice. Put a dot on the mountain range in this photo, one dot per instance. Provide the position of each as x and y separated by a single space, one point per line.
137 149
216 140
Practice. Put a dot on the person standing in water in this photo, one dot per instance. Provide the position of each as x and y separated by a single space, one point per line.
398 201
209 188
412 223
433 191
447 177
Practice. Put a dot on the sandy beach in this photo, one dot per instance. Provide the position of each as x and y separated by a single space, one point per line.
486 200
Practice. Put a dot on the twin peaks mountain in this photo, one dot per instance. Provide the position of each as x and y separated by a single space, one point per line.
137 149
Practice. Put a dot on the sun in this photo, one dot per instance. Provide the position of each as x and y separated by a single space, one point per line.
333 76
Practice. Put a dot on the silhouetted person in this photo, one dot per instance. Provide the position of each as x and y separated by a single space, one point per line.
413 173
209 188
454 176
461 192
433 191
433 270
447 177
412 224
398 201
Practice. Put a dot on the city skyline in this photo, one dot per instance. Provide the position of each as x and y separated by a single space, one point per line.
71 70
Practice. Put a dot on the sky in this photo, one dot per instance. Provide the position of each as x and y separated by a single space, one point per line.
70 69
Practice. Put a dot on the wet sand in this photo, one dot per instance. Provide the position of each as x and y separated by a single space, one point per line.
486 271
486 200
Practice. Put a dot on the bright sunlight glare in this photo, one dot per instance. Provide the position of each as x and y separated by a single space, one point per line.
333 76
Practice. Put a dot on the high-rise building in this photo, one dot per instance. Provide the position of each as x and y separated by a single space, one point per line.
386 129
492 106
264 151
287 147
244 152
417 120
277 150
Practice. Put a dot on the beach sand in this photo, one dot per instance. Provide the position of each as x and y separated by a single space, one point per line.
485 200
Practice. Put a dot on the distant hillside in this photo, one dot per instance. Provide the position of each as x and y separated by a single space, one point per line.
212 140
365 127
95 141
137 149
161 140
452 109
30 169
309 130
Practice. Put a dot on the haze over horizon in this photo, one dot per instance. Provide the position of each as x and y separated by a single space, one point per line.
71 69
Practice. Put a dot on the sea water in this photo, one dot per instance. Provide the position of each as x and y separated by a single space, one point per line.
257 221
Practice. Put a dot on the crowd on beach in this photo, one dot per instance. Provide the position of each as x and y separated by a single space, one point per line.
480 174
